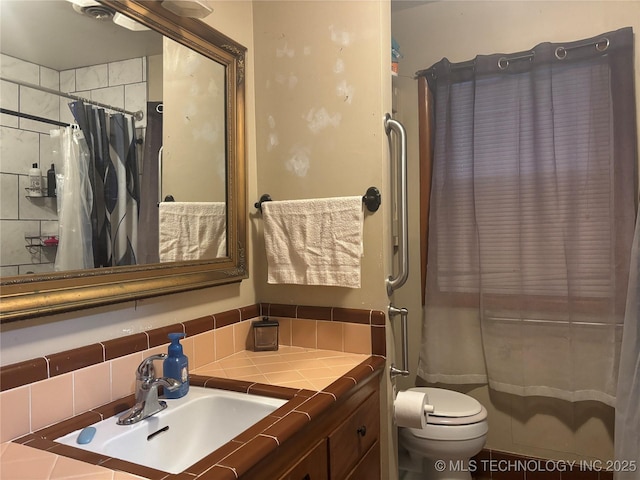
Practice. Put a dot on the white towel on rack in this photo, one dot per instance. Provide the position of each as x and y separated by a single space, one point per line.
192 230
314 242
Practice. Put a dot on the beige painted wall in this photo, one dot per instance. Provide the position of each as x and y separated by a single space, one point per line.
193 128
323 85
154 78
319 121
459 31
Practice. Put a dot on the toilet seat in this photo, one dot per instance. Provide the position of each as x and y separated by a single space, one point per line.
452 409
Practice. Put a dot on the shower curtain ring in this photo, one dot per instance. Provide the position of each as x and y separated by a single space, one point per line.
503 63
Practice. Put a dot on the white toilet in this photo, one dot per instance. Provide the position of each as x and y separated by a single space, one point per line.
455 432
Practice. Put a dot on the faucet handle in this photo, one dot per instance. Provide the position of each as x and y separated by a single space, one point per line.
146 370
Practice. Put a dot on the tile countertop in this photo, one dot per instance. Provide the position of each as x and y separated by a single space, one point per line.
293 367
318 376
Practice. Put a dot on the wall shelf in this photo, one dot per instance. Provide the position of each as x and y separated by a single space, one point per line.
41 241
35 197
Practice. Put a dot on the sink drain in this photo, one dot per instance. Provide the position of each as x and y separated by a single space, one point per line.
155 434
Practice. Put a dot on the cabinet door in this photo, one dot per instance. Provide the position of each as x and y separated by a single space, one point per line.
369 466
312 467
354 437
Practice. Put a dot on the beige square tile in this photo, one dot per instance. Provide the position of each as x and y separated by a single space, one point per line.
125 476
91 387
242 336
123 375
302 356
224 342
288 349
67 468
321 383
235 361
188 347
14 413
204 347
330 353
211 370
284 334
254 378
270 356
304 333
340 370
330 336
241 372
51 401
342 361
314 373
276 367
357 338
298 384
278 378
20 462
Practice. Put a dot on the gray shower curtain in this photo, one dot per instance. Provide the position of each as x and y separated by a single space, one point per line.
532 212
148 243
113 172
627 429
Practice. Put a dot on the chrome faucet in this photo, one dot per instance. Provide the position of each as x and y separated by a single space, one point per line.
147 384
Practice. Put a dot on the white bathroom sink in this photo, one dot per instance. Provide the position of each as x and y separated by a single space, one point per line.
189 429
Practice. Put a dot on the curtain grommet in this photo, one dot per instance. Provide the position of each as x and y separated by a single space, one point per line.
561 53
605 42
503 63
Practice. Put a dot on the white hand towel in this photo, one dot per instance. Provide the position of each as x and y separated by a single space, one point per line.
192 231
315 241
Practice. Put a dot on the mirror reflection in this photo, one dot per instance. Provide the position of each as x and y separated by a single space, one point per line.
113 168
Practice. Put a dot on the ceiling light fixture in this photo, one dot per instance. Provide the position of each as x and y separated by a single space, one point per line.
188 8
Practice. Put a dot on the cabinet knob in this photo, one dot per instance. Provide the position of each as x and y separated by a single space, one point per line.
362 431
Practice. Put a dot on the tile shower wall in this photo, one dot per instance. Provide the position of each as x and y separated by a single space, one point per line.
24 142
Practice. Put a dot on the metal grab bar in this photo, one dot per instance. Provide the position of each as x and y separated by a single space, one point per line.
404 371
403 244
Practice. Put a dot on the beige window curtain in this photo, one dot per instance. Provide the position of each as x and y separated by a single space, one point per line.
532 210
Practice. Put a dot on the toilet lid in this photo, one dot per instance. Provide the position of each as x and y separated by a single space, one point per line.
450 404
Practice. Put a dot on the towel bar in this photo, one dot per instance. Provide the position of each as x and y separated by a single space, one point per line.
372 200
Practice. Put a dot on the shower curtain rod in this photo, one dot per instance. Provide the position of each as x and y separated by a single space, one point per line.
137 115
33 117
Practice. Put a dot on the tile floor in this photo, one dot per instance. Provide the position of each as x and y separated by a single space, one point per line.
294 367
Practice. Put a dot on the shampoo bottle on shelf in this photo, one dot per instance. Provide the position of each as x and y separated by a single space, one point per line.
35 181
176 366
51 181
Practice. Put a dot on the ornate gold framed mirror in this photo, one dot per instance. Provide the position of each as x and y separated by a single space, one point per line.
34 295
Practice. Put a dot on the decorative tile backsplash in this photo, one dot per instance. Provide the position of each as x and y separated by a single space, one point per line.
24 142
93 375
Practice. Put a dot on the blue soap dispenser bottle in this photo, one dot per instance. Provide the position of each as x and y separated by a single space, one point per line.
176 366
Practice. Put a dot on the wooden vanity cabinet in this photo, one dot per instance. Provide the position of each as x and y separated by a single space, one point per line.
313 466
353 439
343 443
